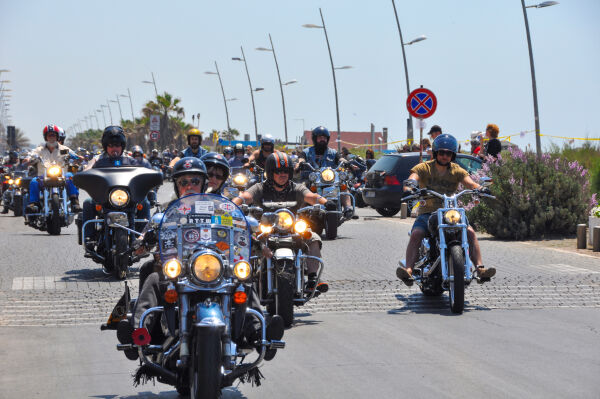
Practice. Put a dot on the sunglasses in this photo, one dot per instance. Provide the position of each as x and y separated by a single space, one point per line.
445 153
184 182
280 171
113 145
212 174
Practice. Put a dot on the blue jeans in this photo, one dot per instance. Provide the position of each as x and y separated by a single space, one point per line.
36 185
421 222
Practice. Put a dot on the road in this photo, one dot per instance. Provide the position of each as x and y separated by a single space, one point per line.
533 332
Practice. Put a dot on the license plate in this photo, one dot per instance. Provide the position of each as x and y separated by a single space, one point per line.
369 194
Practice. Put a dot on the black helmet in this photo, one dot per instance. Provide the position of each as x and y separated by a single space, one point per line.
137 150
189 165
278 161
445 142
267 139
111 135
228 150
320 131
217 160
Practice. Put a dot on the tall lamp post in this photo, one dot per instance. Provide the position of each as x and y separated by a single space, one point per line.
337 108
251 91
119 103
272 49
130 103
103 117
224 98
538 144
152 83
109 112
409 133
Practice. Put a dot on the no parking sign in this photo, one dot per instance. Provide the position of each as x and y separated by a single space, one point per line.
421 103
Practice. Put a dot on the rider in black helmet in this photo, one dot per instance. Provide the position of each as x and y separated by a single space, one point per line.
217 169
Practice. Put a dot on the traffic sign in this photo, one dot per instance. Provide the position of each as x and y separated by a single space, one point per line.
421 103
154 122
154 135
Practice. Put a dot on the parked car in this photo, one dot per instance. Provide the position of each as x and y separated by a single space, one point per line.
383 189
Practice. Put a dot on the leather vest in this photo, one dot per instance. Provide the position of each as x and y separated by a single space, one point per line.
327 160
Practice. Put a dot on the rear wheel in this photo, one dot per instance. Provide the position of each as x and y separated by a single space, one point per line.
283 304
456 274
387 212
18 205
331 225
54 221
205 370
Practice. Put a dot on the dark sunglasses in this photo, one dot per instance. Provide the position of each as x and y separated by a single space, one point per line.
445 152
184 182
280 171
212 174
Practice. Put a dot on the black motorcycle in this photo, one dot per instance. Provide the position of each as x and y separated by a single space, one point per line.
117 193
13 198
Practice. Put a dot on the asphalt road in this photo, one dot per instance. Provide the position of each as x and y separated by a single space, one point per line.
533 332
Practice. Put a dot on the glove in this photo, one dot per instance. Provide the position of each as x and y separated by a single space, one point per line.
330 205
485 190
409 193
150 239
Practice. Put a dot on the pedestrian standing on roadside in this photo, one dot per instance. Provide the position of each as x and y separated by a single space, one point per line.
493 145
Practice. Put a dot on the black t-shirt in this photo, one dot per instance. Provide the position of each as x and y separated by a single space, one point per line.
493 147
264 192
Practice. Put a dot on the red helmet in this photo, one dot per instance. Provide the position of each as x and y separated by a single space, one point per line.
51 128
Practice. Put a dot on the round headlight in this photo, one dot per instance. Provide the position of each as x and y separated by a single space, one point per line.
10 181
172 268
18 181
265 228
285 220
242 270
206 268
452 216
313 176
119 197
327 175
54 171
300 226
240 180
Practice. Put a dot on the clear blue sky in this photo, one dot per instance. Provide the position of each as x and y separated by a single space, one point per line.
68 57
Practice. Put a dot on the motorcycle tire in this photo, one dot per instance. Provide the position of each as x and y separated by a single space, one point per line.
387 212
121 262
283 305
205 368
54 222
359 201
18 205
317 228
456 269
331 225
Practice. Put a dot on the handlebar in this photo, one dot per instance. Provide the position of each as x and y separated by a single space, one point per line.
425 192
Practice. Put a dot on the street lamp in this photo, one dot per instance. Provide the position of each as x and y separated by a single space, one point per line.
130 103
538 144
337 107
272 49
95 116
103 117
224 98
409 133
152 83
119 103
109 111
243 58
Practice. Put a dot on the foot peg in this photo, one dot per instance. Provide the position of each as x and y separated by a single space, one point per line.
276 344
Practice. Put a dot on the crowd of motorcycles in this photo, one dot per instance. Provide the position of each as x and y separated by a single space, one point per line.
211 257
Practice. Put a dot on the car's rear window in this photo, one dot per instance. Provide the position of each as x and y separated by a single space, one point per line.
386 163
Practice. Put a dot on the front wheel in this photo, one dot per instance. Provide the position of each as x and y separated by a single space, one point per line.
121 258
456 274
205 368
283 303
331 225
387 212
18 205
54 221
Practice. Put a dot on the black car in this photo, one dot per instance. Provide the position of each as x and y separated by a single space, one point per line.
383 188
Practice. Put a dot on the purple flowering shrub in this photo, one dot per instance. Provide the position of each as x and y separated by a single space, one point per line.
534 198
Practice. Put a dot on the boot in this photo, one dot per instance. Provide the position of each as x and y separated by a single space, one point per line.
75 208
33 207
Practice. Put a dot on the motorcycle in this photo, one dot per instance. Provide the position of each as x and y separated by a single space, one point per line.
56 207
443 262
117 193
331 184
13 196
281 280
204 244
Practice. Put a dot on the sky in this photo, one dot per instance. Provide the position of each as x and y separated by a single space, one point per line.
68 57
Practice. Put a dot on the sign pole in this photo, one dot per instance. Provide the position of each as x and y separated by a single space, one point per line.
421 140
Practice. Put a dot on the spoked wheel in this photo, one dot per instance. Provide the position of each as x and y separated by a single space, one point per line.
456 274
54 221
205 370
283 303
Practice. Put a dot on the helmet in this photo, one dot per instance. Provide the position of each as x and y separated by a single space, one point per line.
51 128
238 147
61 135
277 161
137 150
154 152
13 154
228 151
194 132
113 134
218 160
189 165
445 142
267 139
320 131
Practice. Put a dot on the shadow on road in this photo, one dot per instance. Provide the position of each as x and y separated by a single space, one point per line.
298 322
421 304
227 393
95 274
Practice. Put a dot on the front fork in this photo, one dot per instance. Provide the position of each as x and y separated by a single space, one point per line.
465 245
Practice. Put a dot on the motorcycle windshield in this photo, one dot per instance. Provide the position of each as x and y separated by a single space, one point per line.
204 221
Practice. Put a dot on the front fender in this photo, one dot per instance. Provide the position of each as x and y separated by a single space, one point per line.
283 253
209 316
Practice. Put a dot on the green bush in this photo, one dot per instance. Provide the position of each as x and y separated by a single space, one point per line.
534 198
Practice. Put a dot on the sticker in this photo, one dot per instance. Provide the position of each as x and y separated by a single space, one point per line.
191 235
236 250
223 246
221 233
183 209
205 234
168 239
187 164
227 206
227 220
241 240
198 218
206 207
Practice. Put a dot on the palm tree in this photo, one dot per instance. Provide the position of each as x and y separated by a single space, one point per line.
20 139
168 107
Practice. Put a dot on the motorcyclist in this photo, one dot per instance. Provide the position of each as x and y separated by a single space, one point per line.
267 146
279 187
239 156
217 172
194 139
320 155
228 153
190 176
155 160
138 154
50 152
443 176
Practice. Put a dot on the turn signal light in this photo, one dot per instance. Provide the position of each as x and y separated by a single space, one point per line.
171 296
239 297
343 187
313 189
98 208
139 207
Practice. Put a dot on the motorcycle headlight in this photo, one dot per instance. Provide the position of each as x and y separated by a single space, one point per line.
285 220
313 176
240 180
206 268
327 175
265 228
10 181
242 270
300 226
172 268
54 171
452 216
18 181
119 197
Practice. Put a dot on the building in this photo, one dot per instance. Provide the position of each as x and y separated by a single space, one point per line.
352 139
